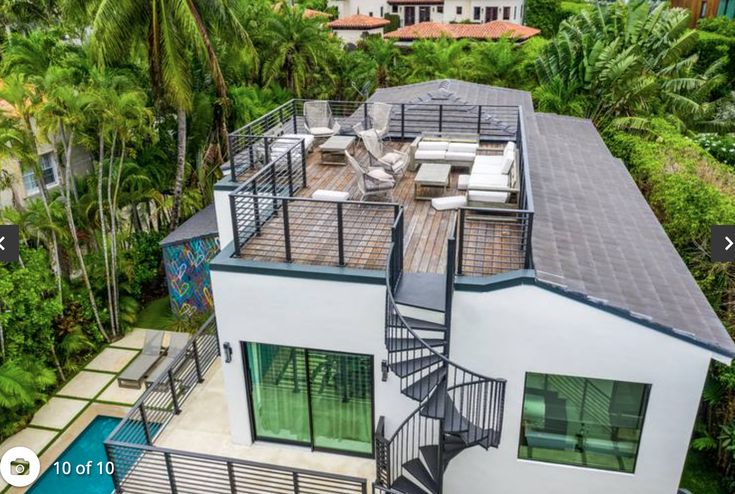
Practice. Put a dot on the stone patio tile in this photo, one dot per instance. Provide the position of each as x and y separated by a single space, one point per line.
58 412
112 360
115 394
35 439
86 385
136 337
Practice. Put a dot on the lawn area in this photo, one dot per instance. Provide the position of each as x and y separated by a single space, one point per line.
700 475
156 315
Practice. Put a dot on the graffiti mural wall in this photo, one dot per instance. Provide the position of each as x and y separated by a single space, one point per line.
187 274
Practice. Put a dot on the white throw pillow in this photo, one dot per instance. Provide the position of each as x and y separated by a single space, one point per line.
507 164
392 158
462 147
433 145
379 174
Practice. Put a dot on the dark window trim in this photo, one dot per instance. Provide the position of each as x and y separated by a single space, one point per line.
251 415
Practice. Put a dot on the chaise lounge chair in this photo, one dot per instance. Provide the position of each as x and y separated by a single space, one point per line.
134 373
176 345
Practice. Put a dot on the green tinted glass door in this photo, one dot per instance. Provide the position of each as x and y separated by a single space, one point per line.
341 401
279 392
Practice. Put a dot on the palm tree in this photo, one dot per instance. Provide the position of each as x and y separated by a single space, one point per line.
60 114
170 31
298 48
18 141
439 59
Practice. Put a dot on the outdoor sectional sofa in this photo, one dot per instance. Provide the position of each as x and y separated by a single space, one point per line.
458 150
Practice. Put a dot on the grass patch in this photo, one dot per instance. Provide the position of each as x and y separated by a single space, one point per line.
700 475
156 315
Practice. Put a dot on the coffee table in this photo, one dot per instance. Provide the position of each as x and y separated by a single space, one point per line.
431 175
333 149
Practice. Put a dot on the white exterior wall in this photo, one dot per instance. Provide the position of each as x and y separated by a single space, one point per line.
355 35
317 314
224 216
366 7
528 329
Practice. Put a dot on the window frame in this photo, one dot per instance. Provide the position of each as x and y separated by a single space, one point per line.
476 13
458 10
29 175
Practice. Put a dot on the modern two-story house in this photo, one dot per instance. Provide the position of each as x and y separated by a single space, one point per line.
554 342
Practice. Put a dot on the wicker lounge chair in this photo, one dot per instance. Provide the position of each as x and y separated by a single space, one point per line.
371 181
393 162
319 121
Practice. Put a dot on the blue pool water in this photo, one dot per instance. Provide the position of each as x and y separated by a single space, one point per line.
88 446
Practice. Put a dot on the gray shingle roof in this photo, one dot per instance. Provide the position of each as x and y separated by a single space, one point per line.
594 233
202 224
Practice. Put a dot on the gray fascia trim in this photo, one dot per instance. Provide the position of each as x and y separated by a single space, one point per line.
495 282
184 240
639 319
226 263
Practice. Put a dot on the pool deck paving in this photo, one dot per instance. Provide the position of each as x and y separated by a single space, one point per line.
93 391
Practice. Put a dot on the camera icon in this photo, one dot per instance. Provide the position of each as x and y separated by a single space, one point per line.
20 467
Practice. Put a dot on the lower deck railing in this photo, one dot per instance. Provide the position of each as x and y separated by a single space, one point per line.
142 467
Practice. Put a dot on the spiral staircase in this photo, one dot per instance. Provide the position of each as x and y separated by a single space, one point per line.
457 408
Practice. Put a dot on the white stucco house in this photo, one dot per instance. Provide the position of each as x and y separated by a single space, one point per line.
353 28
553 343
414 11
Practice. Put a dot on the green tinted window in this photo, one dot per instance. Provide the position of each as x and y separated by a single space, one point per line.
579 421
314 397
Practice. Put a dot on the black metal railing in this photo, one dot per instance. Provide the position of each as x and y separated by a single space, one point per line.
407 120
312 231
142 467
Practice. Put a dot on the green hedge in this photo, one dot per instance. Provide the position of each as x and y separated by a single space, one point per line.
689 191
395 21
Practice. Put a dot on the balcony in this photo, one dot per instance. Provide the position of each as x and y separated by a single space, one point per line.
276 220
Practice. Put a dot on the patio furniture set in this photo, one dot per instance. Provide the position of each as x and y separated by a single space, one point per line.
490 181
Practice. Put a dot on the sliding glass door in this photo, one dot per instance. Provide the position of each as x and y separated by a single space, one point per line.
312 397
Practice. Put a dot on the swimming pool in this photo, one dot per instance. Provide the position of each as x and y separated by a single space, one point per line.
88 446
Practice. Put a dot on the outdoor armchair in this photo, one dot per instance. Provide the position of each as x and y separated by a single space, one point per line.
394 162
141 366
371 181
318 119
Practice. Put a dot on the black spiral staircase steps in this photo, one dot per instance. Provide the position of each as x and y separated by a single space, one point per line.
424 325
421 388
402 484
408 367
420 473
404 344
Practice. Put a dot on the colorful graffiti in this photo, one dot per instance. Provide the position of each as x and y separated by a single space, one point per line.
187 274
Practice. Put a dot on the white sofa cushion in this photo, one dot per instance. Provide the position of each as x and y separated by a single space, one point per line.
459 156
487 182
433 145
330 195
449 202
462 182
510 148
462 147
495 168
308 139
487 196
322 131
381 174
429 155
392 158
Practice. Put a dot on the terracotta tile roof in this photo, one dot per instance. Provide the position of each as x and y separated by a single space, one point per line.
489 30
314 13
358 21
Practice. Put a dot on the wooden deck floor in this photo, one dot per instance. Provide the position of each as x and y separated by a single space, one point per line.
425 229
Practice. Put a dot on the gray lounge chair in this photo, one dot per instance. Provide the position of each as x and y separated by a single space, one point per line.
134 373
176 345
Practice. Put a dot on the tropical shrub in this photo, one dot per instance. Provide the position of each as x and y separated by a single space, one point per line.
720 25
712 47
545 15
722 147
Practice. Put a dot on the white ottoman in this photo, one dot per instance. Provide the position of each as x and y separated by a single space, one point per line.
449 202
462 182
330 195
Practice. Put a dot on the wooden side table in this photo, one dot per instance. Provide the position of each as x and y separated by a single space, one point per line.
433 176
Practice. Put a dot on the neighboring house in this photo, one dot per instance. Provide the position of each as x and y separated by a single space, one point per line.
706 8
353 28
187 252
414 11
489 31
553 344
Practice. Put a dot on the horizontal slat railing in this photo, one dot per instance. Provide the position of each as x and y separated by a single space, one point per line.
141 467
493 241
312 231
